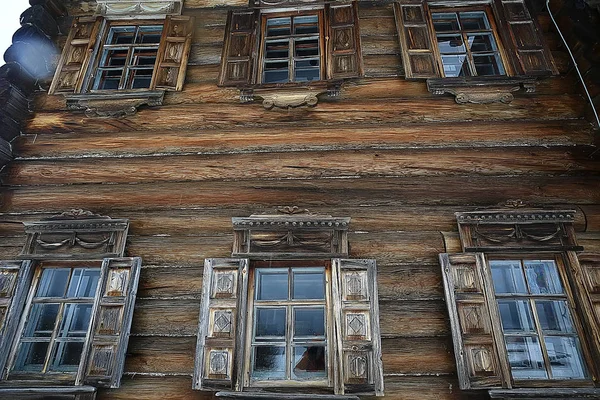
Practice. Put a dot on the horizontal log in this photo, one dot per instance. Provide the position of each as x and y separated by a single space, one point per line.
460 134
179 317
382 65
431 190
378 25
139 387
170 355
373 45
332 113
306 165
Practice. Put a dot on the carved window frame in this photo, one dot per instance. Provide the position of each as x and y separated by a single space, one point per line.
74 239
479 340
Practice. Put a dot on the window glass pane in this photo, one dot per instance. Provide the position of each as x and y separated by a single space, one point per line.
108 80
455 66
566 360
474 20
121 35
278 27
114 58
277 49
31 356
144 57
309 322
306 47
272 284
554 316
309 362
149 34
306 25
444 22
53 282
525 358
449 44
508 276
542 277
84 282
41 321
270 322
483 42
75 320
67 356
516 316
269 363
308 285
486 65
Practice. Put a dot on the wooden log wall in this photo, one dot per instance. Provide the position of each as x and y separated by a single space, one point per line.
397 159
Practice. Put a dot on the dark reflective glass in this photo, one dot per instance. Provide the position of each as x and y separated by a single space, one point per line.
53 282
488 65
309 362
306 47
75 320
114 58
67 356
84 282
445 22
309 322
144 58
450 44
269 363
272 285
306 25
456 65
41 321
108 80
278 27
508 276
516 316
474 20
121 35
149 34
31 356
554 315
481 42
308 285
270 322
277 49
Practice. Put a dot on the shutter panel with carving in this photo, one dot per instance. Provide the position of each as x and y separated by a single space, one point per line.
239 52
356 326
525 37
418 51
15 279
220 348
475 322
173 53
111 322
343 46
76 55
587 283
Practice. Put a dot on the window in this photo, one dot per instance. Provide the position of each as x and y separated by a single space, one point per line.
497 37
539 332
523 305
271 324
292 46
467 43
105 55
289 321
127 57
67 309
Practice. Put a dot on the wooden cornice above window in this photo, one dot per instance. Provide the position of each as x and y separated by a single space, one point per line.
290 236
517 230
132 8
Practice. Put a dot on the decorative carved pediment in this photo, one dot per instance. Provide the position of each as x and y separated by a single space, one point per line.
113 105
76 234
130 8
517 229
480 90
289 97
281 235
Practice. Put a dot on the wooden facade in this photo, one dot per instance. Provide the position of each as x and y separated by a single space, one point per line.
398 159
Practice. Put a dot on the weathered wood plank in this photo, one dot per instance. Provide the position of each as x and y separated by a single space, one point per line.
381 162
179 317
431 190
161 355
382 65
334 113
460 134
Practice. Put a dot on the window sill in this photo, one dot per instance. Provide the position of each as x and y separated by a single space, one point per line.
481 90
290 95
283 396
553 393
115 103
42 392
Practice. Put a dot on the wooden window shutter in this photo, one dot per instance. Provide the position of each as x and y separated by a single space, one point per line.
239 52
15 280
523 35
343 46
475 322
76 55
359 368
221 332
173 53
586 279
418 47
104 354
